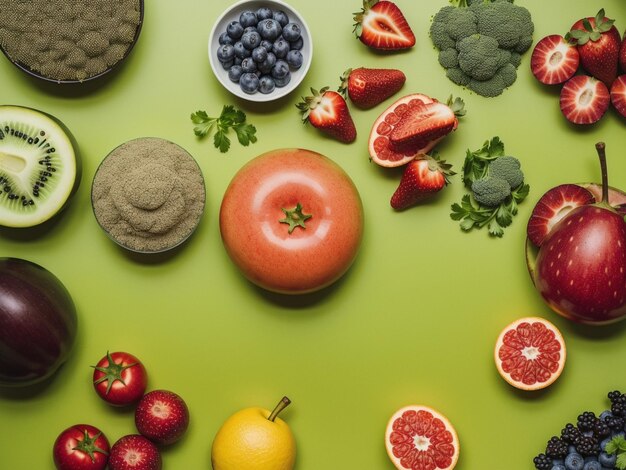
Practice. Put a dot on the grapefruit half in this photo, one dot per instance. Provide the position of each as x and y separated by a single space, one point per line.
420 438
530 353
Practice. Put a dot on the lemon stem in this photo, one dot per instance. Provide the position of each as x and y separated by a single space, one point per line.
282 404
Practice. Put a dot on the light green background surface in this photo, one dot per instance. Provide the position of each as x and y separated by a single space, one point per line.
414 320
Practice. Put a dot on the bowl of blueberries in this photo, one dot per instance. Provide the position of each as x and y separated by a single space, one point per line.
260 50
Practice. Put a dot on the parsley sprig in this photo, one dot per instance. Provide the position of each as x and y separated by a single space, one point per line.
470 213
617 446
230 118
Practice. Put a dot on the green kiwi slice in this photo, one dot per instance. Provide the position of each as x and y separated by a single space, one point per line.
39 166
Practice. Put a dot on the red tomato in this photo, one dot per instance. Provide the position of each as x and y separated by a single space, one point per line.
81 447
292 221
120 378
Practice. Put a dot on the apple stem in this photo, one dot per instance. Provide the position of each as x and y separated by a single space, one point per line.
600 148
282 404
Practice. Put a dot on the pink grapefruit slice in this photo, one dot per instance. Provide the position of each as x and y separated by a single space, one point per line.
530 353
420 438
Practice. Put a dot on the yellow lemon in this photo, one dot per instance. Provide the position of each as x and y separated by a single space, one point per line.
254 439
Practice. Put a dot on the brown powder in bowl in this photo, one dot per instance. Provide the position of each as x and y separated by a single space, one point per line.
148 195
68 40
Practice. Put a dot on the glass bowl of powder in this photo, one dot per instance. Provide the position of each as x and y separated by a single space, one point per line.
65 41
148 195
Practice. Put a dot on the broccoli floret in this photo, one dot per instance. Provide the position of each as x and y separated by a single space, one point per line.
480 57
509 24
449 58
508 169
461 23
503 78
438 29
456 75
516 59
490 192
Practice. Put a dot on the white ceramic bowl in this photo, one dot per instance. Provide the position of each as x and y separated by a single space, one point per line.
232 14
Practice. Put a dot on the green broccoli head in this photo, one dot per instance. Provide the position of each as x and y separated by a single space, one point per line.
480 57
508 169
449 58
451 24
456 75
490 191
438 30
503 78
509 24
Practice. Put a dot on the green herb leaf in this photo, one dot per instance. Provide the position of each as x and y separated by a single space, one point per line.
230 118
477 162
620 463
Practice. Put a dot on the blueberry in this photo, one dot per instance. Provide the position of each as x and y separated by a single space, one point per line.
281 17
292 32
268 45
248 65
268 63
251 40
605 414
228 64
249 83
248 18
266 84
226 53
295 59
607 460
238 61
281 82
269 29
574 462
280 69
249 29
235 73
592 465
263 13
281 48
234 29
297 45
558 466
226 39
259 54
241 51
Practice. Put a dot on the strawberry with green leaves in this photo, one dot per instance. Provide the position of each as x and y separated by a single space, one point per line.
327 111
422 177
381 25
369 87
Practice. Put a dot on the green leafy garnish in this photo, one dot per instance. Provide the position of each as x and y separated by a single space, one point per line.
617 446
470 213
230 118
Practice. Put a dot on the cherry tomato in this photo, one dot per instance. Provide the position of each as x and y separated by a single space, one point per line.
292 221
81 447
120 378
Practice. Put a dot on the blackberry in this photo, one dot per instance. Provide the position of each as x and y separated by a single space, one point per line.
618 403
586 421
542 462
556 448
614 395
601 429
570 434
618 409
588 445
615 423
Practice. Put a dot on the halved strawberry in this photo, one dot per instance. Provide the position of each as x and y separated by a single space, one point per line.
381 25
618 94
554 60
423 124
584 99
552 207
327 110
369 87
423 176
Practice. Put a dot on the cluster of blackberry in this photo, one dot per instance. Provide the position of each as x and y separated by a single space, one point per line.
581 446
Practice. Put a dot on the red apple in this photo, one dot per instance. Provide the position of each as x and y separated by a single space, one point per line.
580 267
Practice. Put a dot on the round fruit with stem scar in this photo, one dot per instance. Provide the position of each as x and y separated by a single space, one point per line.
292 221
420 438
530 353
255 439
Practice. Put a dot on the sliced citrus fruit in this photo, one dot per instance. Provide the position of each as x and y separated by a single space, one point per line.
530 353
420 438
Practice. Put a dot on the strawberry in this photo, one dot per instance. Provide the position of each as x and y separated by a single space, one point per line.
134 452
554 60
162 417
622 54
369 87
328 111
425 123
423 176
598 45
381 25
584 100
618 94
552 207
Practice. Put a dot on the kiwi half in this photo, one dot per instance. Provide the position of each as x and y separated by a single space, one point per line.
39 166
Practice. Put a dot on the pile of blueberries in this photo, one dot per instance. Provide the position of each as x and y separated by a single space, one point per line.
261 50
581 446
